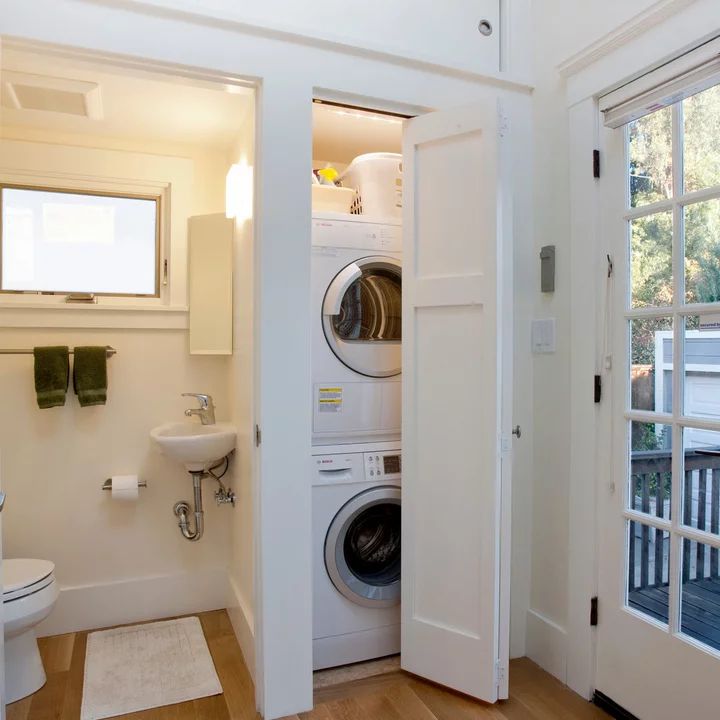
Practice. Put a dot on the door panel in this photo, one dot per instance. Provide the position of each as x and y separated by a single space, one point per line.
658 636
452 402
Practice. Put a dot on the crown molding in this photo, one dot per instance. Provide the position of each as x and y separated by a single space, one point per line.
639 24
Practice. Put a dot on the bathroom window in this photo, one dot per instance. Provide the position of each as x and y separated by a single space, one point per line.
68 241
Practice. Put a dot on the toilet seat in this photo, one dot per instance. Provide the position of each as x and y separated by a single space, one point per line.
23 577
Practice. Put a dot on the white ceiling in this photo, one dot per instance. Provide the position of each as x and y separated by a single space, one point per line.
341 134
135 105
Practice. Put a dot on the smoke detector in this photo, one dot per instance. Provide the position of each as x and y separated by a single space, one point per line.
43 93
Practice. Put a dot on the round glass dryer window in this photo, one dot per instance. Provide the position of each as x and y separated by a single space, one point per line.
362 548
362 316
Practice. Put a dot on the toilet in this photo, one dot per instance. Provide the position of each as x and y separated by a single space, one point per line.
29 595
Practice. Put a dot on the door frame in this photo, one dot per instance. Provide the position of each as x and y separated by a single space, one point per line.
591 73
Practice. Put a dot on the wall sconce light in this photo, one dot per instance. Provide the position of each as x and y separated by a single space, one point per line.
239 192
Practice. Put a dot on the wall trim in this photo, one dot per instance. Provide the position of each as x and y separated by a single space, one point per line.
60 315
243 624
88 607
547 644
628 31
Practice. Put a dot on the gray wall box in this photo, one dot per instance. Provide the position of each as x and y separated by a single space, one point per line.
547 268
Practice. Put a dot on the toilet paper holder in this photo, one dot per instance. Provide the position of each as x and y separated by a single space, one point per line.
107 485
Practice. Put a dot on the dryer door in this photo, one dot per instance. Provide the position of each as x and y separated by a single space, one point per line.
362 548
362 316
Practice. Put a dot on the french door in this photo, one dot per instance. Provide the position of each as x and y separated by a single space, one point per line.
457 375
658 639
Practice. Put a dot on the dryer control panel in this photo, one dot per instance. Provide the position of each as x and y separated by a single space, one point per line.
385 465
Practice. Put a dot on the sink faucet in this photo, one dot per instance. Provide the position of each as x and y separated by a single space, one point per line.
206 411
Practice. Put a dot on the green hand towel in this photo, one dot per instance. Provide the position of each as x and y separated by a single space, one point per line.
90 375
52 372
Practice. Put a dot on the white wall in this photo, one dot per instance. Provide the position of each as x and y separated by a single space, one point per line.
556 609
373 25
289 73
114 563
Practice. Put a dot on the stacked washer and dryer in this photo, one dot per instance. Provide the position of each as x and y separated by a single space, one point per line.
356 366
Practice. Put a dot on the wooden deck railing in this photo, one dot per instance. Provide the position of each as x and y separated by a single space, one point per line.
650 483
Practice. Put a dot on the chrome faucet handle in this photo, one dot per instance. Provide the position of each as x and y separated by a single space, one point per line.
205 401
206 411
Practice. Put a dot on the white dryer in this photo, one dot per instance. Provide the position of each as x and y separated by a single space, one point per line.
356 330
356 556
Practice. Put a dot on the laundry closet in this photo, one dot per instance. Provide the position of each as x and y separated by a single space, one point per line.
356 333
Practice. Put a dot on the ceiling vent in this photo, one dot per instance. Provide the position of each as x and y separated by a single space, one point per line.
42 93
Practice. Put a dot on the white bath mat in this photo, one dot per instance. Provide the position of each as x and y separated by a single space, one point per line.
145 666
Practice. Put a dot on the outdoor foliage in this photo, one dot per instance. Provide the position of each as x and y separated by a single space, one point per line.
651 180
651 175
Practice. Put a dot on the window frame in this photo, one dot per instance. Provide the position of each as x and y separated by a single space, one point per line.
160 261
677 418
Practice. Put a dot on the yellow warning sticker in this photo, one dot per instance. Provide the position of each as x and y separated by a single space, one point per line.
330 399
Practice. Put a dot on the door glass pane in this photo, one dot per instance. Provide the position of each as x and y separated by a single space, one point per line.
650 468
648 568
701 145
650 156
701 481
702 369
651 353
700 597
371 308
702 252
651 260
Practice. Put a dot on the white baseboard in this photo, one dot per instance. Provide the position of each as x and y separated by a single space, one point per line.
89 607
547 644
243 623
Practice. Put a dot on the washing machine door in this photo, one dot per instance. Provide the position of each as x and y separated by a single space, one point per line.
362 548
362 316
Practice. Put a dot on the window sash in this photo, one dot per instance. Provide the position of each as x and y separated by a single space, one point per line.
159 263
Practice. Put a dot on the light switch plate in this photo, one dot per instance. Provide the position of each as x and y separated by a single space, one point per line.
543 335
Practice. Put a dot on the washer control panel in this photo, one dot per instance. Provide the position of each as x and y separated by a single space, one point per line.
386 465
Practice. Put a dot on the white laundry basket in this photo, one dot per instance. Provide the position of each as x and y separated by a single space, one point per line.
377 179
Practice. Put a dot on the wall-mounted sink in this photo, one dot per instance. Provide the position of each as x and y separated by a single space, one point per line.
196 446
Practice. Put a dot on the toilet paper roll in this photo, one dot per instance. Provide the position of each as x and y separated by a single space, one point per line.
125 487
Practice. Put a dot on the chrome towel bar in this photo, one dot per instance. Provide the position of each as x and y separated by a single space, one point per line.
109 350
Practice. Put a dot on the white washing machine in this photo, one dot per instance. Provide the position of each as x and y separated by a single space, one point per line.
356 556
356 330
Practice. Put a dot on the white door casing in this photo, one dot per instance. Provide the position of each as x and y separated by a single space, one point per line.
456 330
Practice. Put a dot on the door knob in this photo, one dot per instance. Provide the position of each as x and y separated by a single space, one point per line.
517 432
2 501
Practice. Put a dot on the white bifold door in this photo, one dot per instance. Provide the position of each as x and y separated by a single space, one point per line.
457 372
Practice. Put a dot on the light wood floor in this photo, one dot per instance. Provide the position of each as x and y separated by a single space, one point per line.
534 695
64 660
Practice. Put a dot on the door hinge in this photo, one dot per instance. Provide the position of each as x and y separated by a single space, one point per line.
593 611
258 436
596 163
499 673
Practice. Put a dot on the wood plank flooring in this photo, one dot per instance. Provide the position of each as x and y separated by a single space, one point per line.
534 695
64 660
700 607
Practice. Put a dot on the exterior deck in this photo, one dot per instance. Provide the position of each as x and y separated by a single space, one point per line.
700 608
649 548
